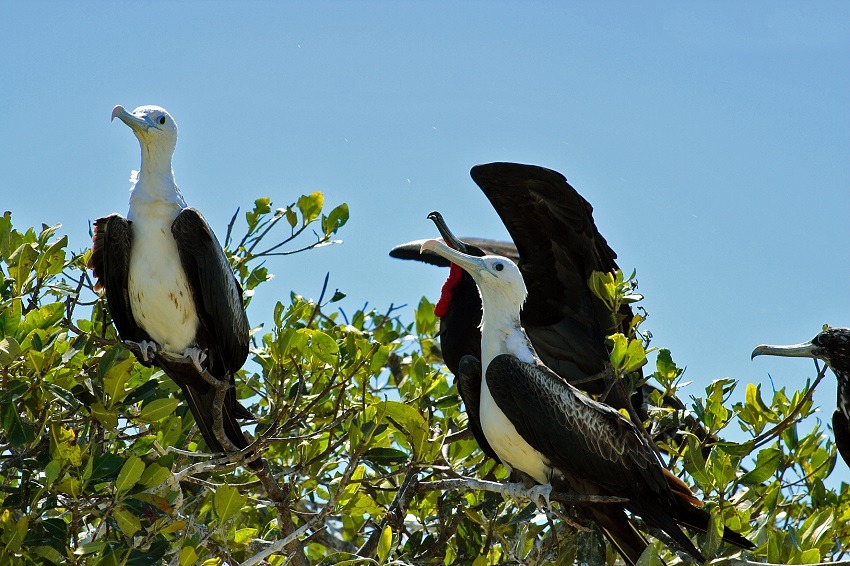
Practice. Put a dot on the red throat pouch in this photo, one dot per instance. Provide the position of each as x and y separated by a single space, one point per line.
442 306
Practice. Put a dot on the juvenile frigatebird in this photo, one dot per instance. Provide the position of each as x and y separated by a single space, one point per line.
169 287
833 347
554 435
557 247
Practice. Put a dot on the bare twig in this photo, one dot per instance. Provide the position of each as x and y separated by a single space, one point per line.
765 437
395 513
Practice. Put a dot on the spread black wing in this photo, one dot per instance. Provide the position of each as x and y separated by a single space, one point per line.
110 263
559 248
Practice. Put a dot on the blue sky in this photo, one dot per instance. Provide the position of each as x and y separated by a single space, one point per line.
713 140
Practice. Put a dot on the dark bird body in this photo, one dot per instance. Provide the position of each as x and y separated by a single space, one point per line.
833 347
557 247
169 287
552 434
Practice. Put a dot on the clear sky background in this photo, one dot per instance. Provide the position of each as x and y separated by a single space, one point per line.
713 141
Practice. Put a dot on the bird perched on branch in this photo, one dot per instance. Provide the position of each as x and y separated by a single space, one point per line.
169 287
555 436
557 247
833 347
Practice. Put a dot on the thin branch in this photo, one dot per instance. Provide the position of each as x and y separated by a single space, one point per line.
513 490
765 437
395 514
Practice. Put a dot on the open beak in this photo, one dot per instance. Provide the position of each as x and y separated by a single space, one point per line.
804 350
136 124
447 234
471 264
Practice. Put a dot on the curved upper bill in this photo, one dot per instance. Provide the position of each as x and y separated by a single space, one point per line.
804 350
136 123
469 263
447 234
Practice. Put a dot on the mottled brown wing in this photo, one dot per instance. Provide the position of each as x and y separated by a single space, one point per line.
110 263
578 435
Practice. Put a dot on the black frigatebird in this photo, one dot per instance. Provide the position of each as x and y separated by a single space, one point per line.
833 347
554 435
169 287
557 247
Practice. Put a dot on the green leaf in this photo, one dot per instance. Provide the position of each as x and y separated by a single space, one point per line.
41 318
767 462
650 557
385 456
324 347
9 350
411 422
63 445
244 536
618 349
188 556
665 368
310 206
130 473
635 356
154 475
108 418
127 522
51 472
115 380
335 220
90 548
228 503
158 409
385 544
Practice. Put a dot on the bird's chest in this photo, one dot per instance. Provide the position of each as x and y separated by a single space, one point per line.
512 449
160 296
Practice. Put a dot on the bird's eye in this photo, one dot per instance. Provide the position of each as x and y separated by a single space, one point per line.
162 119
498 266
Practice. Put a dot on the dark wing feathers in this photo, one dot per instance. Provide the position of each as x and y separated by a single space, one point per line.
578 435
555 235
469 387
841 430
553 229
110 263
216 290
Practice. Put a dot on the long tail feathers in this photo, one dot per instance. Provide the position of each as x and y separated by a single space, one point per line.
697 519
619 530
200 398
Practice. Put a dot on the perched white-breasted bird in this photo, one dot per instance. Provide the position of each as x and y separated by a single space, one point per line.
832 345
169 287
555 436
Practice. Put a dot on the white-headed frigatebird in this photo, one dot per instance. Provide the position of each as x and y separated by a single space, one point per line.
552 434
169 287
833 347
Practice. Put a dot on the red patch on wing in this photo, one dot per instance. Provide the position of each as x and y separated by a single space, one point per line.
442 306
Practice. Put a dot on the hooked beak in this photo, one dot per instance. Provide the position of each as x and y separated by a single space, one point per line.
804 350
447 234
136 124
471 264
